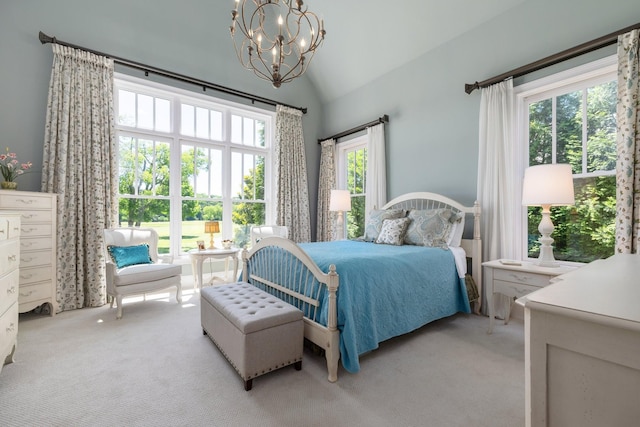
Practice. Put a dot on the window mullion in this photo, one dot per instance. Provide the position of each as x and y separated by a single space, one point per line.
585 130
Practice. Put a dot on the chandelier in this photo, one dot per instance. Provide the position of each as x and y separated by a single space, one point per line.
278 38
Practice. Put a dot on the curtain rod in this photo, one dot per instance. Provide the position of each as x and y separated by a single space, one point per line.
573 52
383 119
44 39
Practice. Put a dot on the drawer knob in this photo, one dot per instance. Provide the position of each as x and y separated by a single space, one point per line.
11 291
22 294
27 216
26 202
29 276
12 257
11 328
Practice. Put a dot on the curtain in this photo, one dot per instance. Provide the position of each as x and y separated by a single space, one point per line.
291 175
628 144
497 194
376 175
326 182
79 164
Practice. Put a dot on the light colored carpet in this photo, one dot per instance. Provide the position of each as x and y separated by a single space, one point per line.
154 367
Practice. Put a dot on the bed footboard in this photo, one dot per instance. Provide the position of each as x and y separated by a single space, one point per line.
279 267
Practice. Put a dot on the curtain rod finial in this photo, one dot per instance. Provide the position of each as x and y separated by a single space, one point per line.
471 87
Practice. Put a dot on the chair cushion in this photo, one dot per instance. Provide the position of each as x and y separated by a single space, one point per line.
123 256
145 273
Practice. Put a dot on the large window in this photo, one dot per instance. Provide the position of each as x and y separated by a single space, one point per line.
352 171
185 159
573 120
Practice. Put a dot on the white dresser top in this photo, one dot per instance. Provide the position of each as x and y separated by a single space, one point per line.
607 289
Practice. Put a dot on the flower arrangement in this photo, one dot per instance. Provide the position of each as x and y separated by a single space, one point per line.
10 168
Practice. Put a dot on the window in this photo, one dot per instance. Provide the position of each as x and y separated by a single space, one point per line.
185 159
352 170
573 120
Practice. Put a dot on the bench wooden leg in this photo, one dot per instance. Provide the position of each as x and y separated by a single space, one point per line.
298 365
248 384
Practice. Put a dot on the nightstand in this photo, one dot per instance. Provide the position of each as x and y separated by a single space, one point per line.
515 281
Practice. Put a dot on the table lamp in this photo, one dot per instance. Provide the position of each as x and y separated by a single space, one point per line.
211 227
546 186
340 202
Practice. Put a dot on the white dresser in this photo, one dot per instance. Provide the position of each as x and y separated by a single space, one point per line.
582 347
37 247
9 261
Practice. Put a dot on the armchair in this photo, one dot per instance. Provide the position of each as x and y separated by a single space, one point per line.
262 231
134 269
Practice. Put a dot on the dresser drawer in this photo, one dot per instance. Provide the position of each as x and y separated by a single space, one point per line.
23 201
8 328
31 230
512 289
521 277
35 244
8 290
9 255
33 275
33 259
28 217
34 292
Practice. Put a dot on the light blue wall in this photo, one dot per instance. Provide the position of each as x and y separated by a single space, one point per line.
432 137
186 37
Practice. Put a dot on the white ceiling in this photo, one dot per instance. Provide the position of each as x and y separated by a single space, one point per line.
367 39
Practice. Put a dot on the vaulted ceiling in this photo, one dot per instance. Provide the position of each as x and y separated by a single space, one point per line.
367 39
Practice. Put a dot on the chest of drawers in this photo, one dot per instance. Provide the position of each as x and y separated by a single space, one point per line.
37 247
9 274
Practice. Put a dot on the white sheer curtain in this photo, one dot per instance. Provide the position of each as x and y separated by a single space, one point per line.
376 176
326 182
291 175
497 193
628 144
79 164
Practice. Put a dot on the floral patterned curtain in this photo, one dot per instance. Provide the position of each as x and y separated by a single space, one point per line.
79 164
326 183
628 144
291 175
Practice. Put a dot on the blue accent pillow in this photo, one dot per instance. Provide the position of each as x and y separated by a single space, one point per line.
124 256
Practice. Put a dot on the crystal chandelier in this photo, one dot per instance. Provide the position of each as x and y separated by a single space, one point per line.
277 38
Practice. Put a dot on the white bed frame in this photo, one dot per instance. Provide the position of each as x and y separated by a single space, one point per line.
295 263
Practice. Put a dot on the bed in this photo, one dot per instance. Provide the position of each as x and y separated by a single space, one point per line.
356 294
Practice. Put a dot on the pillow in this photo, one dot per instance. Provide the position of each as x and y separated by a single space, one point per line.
430 227
457 229
123 256
374 223
393 231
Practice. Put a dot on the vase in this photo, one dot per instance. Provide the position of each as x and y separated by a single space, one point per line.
9 185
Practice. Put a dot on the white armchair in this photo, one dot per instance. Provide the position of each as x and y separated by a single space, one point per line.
262 231
137 275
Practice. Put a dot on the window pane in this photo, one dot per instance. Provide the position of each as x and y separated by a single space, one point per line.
246 215
163 115
145 112
126 108
236 129
126 167
540 136
216 125
202 123
260 140
248 132
569 130
215 175
236 175
161 168
194 215
201 172
601 127
355 218
147 213
188 120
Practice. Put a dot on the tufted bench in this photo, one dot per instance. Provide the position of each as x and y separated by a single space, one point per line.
255 331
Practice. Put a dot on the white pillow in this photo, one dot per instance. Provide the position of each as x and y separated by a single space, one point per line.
457 229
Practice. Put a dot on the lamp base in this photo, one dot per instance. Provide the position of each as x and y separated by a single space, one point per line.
546 258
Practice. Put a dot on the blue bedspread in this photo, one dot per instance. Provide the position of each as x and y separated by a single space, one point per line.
386 291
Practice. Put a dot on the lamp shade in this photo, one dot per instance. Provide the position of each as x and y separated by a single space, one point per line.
340 200
211 227
548 185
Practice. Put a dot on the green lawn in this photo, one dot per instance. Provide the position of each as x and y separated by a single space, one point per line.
192 231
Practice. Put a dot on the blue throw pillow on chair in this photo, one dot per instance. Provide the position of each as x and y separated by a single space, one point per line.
124 256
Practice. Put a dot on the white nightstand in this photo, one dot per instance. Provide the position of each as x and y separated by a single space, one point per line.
516 281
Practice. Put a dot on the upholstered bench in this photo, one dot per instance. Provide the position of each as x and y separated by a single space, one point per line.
255 331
